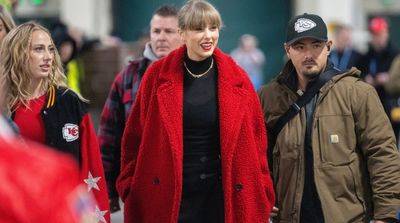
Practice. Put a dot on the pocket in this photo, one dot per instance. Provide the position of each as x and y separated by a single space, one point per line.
341 194
286 185
357 188
336 139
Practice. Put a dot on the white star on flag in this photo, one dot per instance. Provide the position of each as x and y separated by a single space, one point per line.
100 215
92 182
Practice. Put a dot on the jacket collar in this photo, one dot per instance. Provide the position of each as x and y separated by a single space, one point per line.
50 97
288 75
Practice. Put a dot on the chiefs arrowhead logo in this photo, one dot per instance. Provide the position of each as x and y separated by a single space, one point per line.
304 24
70 132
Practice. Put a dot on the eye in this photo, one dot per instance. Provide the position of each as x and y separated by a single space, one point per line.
214 28
318 45
52 49
157 31
170 31
298 47
38 49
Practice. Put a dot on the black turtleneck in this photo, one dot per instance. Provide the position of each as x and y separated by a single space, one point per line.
202 199
200 108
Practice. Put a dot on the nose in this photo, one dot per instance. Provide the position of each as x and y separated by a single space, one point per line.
48 55
207 33
308 54
162 36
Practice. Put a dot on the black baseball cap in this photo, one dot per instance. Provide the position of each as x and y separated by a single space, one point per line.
306 26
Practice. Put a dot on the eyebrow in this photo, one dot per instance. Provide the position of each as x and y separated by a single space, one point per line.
302 43
41 44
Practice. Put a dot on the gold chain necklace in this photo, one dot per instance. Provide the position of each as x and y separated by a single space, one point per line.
199 75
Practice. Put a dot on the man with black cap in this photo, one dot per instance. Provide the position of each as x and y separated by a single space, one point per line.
334 157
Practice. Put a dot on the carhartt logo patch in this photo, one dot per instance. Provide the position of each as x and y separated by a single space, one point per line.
334 139
70 132
303 24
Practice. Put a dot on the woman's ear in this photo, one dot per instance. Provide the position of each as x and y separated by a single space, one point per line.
182 34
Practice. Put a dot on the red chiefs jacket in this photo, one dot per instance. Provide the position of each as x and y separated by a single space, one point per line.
69 129
150 182
38 185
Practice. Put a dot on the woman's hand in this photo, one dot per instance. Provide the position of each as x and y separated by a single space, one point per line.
274 212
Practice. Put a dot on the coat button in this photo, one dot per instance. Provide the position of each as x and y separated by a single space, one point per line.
203 159
238 187
45 112
203 176
156 181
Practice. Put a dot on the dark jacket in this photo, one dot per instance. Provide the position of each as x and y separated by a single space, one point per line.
374 62
69 129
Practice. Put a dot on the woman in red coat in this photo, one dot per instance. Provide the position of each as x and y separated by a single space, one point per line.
194 145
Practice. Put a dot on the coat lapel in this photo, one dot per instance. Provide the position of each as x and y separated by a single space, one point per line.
170 102
231 98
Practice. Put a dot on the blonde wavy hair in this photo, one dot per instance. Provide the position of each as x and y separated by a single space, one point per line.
14 64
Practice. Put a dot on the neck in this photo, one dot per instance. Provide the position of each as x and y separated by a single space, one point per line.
198 66
302 82
36 89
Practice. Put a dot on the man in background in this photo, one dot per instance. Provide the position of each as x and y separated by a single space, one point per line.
375 64
343 55
250 58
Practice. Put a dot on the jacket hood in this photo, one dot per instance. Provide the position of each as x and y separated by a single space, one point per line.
148 53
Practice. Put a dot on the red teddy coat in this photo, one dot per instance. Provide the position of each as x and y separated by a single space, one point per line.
150 183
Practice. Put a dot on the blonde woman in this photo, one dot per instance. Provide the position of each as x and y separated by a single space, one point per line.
45 110
194 146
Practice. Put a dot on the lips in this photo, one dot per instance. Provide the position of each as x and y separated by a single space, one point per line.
309 63
206 46
162 47
45 67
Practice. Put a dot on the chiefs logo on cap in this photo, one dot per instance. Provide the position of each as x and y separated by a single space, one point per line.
304 24
70 132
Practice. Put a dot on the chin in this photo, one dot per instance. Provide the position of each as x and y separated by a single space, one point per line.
311 73
161 54
46 75
208 53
